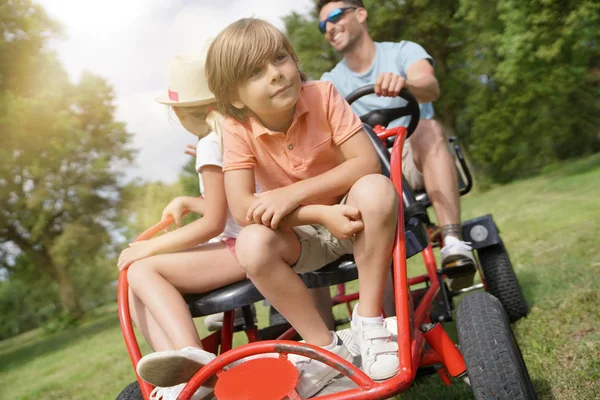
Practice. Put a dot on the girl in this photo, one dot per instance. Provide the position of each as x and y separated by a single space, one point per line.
184 260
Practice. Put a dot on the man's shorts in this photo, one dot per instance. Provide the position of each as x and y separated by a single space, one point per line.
413 176
318 247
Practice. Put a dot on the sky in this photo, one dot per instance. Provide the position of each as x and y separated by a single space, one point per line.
130 43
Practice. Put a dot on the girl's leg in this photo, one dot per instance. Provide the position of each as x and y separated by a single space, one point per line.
143 319
266 255
159 281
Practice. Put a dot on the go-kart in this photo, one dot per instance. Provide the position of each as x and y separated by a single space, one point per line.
489 359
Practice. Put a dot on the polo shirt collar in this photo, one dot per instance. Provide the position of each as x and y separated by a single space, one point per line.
258 129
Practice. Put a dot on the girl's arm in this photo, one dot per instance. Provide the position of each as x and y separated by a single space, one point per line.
176 207
197 232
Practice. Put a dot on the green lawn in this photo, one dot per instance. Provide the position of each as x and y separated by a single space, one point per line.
551 227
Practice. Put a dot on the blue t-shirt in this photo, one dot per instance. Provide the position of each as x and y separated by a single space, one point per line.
389 57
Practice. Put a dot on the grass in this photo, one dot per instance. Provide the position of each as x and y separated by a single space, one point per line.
550 225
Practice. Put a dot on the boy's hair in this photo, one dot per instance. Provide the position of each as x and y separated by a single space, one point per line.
235 53
323 3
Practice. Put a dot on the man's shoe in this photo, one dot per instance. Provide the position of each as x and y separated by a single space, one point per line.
314 375
170 368
171 393
379 354
458 263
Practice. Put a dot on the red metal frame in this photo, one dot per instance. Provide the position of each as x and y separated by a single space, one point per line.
410 337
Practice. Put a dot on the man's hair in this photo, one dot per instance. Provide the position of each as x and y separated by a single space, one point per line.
323 3
236 52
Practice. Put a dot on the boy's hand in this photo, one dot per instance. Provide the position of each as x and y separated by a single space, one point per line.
343 221
136 251
270 207
175 208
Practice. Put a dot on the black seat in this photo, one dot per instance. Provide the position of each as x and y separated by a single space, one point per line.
244 293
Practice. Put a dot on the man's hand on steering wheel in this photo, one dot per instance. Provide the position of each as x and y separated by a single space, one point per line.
388 84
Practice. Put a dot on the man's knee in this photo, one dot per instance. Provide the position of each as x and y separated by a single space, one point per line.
428 139
254 248
429 133
374 195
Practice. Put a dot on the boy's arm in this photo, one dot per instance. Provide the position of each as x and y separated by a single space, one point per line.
342 220
360 160
239 189
271 207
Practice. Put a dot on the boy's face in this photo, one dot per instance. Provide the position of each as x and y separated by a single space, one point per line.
271 91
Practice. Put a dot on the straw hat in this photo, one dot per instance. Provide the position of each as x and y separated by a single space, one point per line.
187 82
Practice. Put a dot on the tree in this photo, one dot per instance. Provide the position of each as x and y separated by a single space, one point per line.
62 156
509 71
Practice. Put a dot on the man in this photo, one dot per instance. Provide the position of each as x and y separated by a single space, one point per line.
427 163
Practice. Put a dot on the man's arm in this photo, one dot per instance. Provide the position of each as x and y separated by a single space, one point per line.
422 82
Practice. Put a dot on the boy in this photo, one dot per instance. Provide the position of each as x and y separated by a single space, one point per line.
307 150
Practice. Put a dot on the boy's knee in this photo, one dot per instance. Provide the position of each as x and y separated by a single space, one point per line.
254 248
374 194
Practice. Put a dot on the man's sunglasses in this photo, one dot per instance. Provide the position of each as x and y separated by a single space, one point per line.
334 17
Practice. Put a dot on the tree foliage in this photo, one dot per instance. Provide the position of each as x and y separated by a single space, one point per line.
520 80
62 155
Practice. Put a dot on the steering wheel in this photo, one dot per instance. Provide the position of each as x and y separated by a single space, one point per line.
385 116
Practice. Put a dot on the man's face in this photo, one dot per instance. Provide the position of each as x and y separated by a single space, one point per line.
272 90
344 33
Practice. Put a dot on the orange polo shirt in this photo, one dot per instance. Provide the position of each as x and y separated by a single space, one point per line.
322 121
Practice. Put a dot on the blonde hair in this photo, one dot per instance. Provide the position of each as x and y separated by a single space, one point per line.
213 118
236 52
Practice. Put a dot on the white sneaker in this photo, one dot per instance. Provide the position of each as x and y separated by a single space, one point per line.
313 374
171 393
170 368
456 250
378 352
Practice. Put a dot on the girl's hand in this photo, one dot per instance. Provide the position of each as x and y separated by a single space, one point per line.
190 150
175 209
343 221
270 207
136 251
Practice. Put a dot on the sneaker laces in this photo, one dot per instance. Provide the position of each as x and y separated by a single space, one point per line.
451 241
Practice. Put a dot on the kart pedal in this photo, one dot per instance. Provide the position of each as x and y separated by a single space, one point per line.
458 267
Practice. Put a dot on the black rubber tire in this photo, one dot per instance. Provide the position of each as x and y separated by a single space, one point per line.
131 392
501 281
494 362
